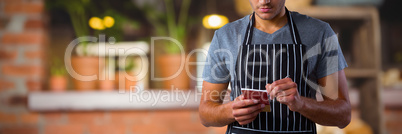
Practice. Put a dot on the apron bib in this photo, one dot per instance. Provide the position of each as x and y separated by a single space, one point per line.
259 64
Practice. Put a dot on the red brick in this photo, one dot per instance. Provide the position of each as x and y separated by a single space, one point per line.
34 54
25 38
28 8
86 117
21 70
108 129
7 2
6 118
173 116
4 84
13 8
33 24
130 117
150 128
34 7
172 121
19 130
29 118
189 127
7 55
2 24
186 121
33 85
52 117
64 129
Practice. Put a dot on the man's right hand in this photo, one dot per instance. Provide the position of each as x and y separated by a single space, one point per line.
246 110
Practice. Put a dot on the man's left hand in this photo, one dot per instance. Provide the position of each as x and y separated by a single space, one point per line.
285 92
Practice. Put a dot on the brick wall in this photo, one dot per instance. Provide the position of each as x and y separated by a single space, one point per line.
23 39
99 122
22 45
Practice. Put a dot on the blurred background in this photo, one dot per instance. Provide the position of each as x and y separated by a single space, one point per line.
115 43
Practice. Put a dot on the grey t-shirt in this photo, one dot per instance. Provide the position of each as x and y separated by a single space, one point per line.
323 54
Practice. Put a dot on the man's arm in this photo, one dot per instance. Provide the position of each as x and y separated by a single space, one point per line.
214 113
335 110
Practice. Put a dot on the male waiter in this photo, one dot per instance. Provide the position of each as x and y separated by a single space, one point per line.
289 55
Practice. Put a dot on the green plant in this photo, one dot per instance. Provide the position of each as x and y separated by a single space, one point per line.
165 23
126 65
115 30
77 9
80 12
57 68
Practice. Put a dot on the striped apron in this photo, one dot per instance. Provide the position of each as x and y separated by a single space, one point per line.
259 64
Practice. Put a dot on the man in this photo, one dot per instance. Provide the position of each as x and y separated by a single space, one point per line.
290 56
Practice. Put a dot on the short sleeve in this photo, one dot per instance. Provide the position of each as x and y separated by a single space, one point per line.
215 70
331 59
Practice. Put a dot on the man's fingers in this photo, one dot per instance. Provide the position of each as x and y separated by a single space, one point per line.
286 99
286 92
246 121
282 87
286 86
282 100
267 87
281 81
248 118
241 97
273 93
244 103
247 110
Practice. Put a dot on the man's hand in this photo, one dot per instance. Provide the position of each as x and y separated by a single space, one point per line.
329 112
246 110
285 92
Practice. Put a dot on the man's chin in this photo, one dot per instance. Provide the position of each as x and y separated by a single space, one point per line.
265 16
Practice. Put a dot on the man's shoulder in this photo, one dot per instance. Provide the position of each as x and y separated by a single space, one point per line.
310 27
234 27
303 19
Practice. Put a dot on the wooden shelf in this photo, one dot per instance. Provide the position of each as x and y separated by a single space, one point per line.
339 12
365 49
392 98
361 73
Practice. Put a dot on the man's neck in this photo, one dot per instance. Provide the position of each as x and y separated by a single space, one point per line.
270 26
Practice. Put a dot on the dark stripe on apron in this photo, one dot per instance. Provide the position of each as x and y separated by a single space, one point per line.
259 64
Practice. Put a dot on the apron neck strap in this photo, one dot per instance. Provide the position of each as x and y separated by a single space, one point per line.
292 27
